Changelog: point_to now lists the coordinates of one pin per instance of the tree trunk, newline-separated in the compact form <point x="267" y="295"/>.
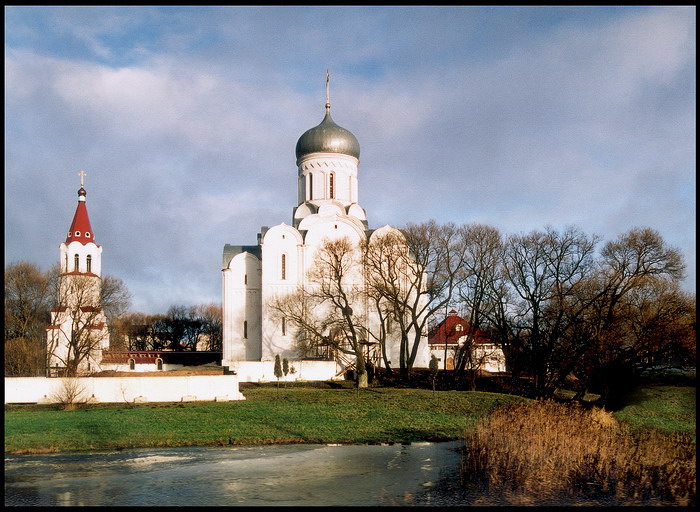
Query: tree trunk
<point x="362" y="381"/>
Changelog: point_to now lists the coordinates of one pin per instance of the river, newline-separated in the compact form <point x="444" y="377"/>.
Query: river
<point x="273" y="475"/>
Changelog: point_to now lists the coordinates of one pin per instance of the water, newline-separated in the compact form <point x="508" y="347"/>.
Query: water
<point x="275" y="475"/>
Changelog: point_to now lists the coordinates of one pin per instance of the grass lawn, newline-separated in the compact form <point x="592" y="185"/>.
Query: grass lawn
<point x="268" y="415"/>
<point x="665" y="408"/>
<point x="301" y="414"/>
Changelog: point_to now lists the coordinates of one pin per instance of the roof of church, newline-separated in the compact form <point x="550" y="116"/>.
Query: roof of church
<point x="232" y="250"/>
<point x="80" y="230"/>
<point x="327" y="137"/>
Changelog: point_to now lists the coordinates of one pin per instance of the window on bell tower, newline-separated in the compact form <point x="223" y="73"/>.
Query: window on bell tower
<point x="310" y="178"/>
<point x="89" y="263"/>
<point x="76" y="263"/>
<point x="331" y="186"/>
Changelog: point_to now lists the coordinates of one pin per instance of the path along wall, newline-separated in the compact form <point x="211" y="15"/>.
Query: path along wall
<point x="125" y="389"/>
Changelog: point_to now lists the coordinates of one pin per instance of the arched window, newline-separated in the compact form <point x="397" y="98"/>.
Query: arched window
<point x="283" y="267"/>
<point x="459" y="327"/>
<point x="132" y="363"/>
<point x="159" y="363"/>
<point x="245" y="279"/>
<point x="310" y="178"/>
<point x="76" y="263"/>
<point x="331" y="186"/>
<point x="65" y="269"/>
<point x="245" y="329"/>
<point x="89" y="263"/>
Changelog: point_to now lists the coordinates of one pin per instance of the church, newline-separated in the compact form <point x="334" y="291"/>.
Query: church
<point x="327" y="161"/>
<point x="253" y="278"/>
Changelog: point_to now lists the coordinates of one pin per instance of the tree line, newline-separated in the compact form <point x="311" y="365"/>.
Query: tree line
<point x="560" y="305"/>
<point x="188" y="328"/>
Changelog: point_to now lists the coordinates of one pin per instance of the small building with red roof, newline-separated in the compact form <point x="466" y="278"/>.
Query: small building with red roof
<point x="447" y="336"/>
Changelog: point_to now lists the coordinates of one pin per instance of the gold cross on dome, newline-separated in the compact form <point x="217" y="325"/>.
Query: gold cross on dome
<point x="82" y="175"/>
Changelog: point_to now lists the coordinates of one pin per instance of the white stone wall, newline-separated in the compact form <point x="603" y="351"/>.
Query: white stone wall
<point x="305" y="370"/>
<point x="126" y="389"/>
<point x="241" y="303"/>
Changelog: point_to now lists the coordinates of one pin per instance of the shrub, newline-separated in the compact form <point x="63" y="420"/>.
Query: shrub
<point x="69" y="394"/>
<point x="550" y="450"/>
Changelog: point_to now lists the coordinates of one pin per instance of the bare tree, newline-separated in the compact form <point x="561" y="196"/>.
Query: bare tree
<point x="481" y="291"/>
<point x="79" y="328"/>
<point x="70" y="393"/>
<point x="415" y="279"/>
<point x="210" y="315"/>
<point x="27" y="305"/>
<point x="385" y="257"/>
<point x="328" y="310"/>
<point x="544" y="270"/>
<point x="636" y="266"/>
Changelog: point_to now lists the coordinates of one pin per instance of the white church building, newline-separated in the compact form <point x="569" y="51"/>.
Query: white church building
<point x="327" y="160"/>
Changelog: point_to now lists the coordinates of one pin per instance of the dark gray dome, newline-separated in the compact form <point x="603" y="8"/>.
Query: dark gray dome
<point x="328" y="137"/>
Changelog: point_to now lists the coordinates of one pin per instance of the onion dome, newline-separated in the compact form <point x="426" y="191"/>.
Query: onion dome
<point x="80" y="230"/>
<point x="328" y="137"/>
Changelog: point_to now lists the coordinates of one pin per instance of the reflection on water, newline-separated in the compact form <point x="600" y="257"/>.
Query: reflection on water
<point x="253" y="475"/>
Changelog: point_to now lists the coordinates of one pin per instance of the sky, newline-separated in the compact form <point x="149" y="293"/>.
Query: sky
<point x="185" y="121"/>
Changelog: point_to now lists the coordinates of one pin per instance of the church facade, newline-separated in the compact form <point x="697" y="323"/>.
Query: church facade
<point x="327" y="161"/>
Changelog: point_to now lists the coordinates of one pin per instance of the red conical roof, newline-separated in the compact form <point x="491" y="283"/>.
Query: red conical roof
<point x="80" y="230"/>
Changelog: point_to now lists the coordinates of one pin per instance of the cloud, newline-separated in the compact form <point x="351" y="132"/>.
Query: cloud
<point x="186" y="122"/>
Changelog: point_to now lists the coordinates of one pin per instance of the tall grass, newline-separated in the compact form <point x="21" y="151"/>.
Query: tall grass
<point x="541" y="451"/>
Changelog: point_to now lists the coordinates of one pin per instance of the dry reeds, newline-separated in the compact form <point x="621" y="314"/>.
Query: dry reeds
<point x="542" y="450"/>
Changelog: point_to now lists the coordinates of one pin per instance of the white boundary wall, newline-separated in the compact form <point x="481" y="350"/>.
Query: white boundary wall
<point x="126" y="389"/>
<point x="264" y="371"/>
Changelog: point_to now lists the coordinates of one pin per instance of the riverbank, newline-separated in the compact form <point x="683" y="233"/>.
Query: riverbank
<point x="268" y="416"/>
<point x="298" y="414"/>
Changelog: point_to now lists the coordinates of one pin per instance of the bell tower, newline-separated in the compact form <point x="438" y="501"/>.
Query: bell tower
<point x="78" y="331"/>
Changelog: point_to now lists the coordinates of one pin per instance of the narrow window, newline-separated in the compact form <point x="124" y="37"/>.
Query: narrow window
<point x="283" y="268"/>
<point x="132" y="364"/>
<point x="76" y="263"/>
<point x="331" y="184"/>
<point x="311" y="186"/>
<point x="159" y="363"/>
<point x="245" y="279"/>
<point x="89" y="263"/>
<point x="284" y="326"/>
<point x="65" y="269"/>
<point x="245" y="329"/>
